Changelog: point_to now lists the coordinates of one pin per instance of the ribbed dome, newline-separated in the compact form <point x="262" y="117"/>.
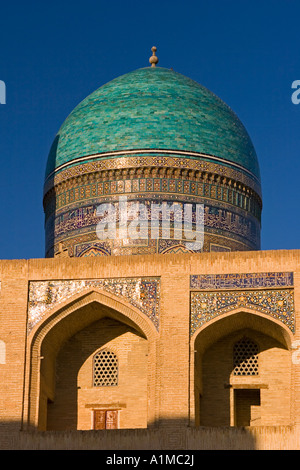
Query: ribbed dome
<point x="153" y="108"/>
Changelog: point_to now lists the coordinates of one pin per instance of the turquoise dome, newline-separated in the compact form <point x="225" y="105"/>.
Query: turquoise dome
<point x="153" y="108"/>
<point x="156" y="136"/>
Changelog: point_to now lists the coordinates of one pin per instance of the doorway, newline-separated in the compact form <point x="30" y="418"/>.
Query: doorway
<point x="246" y="407"/>
<point x="106" y="419"/>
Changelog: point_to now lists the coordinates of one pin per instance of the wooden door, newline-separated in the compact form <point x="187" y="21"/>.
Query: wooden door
<point x="112" y="419"/>
<point x="99" y="419"/>
<point x="105" y="419"/>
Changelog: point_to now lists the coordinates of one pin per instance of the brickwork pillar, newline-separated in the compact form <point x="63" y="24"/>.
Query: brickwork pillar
<point x="174" y="346"/>
<point x="13" y="308"/>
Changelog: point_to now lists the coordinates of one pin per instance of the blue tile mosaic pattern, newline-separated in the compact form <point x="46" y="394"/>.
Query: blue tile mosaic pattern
<point x="277" y="303"/>
<point x="241" y="280"/>
<point x="153" y="108"/>
<point x="143" y="293"/>
<point x="270" y="293"/>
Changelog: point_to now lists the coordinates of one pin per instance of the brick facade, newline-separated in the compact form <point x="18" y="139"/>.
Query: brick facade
<point x="170" y="376"/>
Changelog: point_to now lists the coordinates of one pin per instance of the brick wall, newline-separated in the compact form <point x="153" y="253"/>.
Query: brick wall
<point x="28" y="376"/>
<point x="273" y="381"/>
<point x="76" y="397"/>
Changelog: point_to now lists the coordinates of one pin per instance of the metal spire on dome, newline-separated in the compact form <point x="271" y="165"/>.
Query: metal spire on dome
<point x="153" y="59"/>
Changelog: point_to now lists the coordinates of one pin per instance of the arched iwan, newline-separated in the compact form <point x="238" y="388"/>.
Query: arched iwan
<point x="142" y="293"/>
<point x="242" y="318"/>
<point x="219" y="330"/>
<point x="59" y="324"/>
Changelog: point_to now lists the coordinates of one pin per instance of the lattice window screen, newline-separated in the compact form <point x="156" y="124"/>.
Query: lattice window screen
<point x="245" y="357"/>
<point x="105" y="369"/>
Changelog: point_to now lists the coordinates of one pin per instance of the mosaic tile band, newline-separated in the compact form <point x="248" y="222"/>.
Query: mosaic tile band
<point x="232" y="213"/>
<point x="241" y="281"/>
<point x="160" y="160"/>
<point x="68" y="196"/>
<point x="88" y="246"/>
<point x="143" y="293"/>
<point x="228" y="224"/>
<point x="278" y="304"/>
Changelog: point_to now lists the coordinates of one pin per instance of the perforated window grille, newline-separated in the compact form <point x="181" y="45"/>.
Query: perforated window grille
<point x="105" y="369"/>
<point x="245" y="357"/>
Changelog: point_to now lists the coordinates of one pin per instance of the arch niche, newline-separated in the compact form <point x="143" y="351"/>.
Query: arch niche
<point x="61" y="391"/>
<point x="225" y="395"/>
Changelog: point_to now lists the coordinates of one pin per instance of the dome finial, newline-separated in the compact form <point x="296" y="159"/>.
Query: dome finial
<point x="153" y="59"/>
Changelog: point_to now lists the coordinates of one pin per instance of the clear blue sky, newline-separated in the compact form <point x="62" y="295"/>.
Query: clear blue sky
<point x="53" y="54"/>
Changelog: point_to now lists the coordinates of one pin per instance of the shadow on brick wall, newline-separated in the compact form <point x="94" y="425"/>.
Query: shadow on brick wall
<point x="167" y="435"/>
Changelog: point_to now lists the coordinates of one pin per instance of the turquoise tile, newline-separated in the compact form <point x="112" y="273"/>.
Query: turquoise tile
<point x="153" y="108"/>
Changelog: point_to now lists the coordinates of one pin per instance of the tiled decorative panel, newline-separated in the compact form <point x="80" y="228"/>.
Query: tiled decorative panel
<point x="277" y="303"/>
<point x="241" y="280"/>
<point x="270" y="293"/>
<point x="223" y="224"/>
<point x="143" y="293"/>
<point x="158" y="160"/>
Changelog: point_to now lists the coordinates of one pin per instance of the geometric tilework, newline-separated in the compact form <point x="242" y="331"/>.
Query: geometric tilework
<point x="229" y="207"/>
<point x="220" y="219"/>
<point x="94" y="187"/>
<point x="224" y="220"/>
<point x="277" y="303"/>
<point x="158" y="161"/>
<point x="241" y="280"/>
<point x="143" y="293"/>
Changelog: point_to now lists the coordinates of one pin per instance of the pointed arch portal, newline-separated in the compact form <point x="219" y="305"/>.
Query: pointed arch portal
<point x="233" y="378"/>
<point x="61" y="394"/>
